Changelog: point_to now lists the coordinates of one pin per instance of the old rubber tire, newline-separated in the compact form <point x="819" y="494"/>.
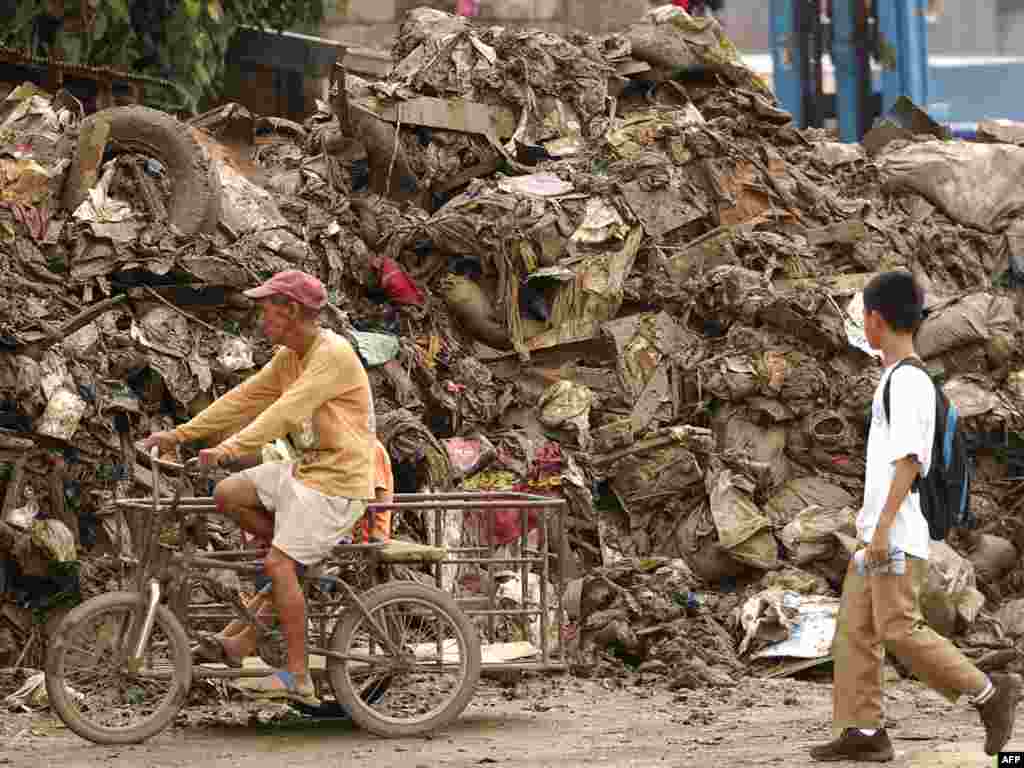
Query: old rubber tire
<point x="180" y="655"/>
<point x="352" y="699"/>
<point x="195" y="196"/>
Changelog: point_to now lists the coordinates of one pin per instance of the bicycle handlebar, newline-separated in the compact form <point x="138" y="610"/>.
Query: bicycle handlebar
<point x="191" y="467"/>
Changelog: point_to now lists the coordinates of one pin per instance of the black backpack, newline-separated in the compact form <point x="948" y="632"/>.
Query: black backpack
<point x="946" y="490"/>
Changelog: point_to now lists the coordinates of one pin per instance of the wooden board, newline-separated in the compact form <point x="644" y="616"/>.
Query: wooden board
<point x="453" y="115"/>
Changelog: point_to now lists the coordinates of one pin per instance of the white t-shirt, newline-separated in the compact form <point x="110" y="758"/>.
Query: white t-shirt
<point x="909" y="432"/>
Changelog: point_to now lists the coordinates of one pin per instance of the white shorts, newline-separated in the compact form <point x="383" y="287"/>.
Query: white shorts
<point x="307" y="524"/>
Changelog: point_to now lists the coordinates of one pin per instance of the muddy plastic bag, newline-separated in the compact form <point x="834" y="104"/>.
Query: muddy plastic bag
<point x="1011" y="615"/>
<point x="1001" y="131"/>
<point x="949" y="597"/>
<point x="975" y="184"/>
<point x="83" y="344"/>
<point x="643" y="343"/>
<point x="766" y="618"/>
<point x="536" y="185"/>
<point x="991" y="556"/>
<point x="236" y="355"/>
<point x="642" y="481"/>
<point x="601" y="222"/>
<point x="376" y="348"/>
<point x="742" y="529"/>
<point x="810" y="535"/>
<point x="22" y="517"/>
<point x="974" y="319"/>
<point x="54" y="538"/>
<point x="812" y="630"/>
<point x="176" y="374"/>
<point x="732" y="378"/>
<point x="63" y="415"/>
<point x="471" y="306"/>
<point x="669" y="37"/>
<point x="164" y="330"/>
<point x="250" y="209"/>
<point x="804" y="492"/>
<point x="565" y="405"/>
<point x="469" y="455"/>
<point x="23" y="182"/>
<point x="101" y="210"/>
<point x="971" y="398"/>
<point x="32" y="695"/>
<point x="762" y="444"/>
<point x="833" y="154"/>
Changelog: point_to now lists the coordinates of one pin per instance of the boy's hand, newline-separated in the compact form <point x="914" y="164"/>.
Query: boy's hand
<point x="877" y="553"/>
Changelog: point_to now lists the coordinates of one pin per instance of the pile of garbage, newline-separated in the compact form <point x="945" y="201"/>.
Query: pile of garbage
<point x="607" y="268"/>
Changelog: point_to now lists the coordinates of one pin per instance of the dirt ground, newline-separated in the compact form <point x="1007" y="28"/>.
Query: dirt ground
<point x="539" y="722"/>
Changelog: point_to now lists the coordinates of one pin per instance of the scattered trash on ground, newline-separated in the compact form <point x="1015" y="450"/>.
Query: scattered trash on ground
<point x="607" y="268"/>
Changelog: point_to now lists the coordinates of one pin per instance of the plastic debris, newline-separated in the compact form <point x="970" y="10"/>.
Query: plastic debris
<point x="618" y="275"/>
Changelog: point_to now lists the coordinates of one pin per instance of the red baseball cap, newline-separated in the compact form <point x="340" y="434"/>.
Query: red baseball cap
<point x="298" y="286"/>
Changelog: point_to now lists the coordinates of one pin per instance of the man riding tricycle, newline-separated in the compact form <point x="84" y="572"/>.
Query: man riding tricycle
<point x="402" y="658"/>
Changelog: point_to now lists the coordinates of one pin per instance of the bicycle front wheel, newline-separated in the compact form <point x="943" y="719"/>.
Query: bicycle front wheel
<point x="429" y="678"/>
<point x="89" y="680"/>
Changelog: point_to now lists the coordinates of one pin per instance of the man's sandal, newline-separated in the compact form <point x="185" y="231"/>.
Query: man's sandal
<point x="305" y="695"/>
<point x="209" y="650"/>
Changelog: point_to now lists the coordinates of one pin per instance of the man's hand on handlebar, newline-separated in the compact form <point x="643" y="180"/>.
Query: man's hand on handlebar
<point x="211" y="458"/>
<point x="165" y="441"/>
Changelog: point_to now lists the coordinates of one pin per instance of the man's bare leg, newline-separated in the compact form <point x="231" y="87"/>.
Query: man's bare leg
<point x="260" y="604"/>
<point x="236" y="497"/>
<point x="239" y="637"/>
<point x="291" y="609"/>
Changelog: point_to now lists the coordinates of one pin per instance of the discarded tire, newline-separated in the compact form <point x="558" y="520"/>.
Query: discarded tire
<point x="195" y="196"/>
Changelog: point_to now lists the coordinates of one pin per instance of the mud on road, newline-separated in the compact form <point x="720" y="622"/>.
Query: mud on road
<point x="539" y="723"/>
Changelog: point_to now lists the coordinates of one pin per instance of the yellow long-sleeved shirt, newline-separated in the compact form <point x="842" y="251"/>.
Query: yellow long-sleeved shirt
<point x="322" y="400"/>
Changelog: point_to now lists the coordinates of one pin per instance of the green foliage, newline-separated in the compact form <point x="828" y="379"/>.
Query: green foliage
<point x="182" y="40"/>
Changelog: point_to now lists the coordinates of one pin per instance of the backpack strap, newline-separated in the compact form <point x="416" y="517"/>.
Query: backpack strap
<point x="916" y="363"/>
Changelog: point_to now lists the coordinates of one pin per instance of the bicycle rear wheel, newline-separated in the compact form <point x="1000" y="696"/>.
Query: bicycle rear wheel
<point x="431" y="679"/>
<point x="88" y="680"/>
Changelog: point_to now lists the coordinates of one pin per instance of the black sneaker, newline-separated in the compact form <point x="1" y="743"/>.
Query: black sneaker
<point x="999" y="712"/>
<point x="854" y="745"/>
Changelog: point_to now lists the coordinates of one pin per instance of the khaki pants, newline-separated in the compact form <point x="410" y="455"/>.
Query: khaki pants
<point x="883" y="613"/>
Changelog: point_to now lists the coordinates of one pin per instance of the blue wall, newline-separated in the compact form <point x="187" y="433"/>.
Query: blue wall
<point x="976" y="92"/>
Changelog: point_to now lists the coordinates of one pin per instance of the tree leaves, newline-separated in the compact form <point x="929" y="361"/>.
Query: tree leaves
<point x="20" y="25"/>
<point x="183" y="40"/>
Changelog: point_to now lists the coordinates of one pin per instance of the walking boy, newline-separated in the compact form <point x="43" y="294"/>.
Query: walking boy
<point x="880" y="611"/>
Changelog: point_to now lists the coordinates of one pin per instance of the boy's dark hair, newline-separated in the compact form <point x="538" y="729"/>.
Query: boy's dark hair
<point x="898" y="298"/>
